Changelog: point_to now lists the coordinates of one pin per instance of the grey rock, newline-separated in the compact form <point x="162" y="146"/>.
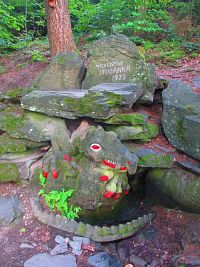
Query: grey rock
<point x="76" y="247"/>
<point x="10" y="210"/>
<point x="115" y="59"/>
<point x="137" y="261"/>
<point x="174" y="187"/>
<point x="130" y="92"/>
<point x="75" y="244"/>
<point x="77" y="252"/>
<point x="138" y="132"/>
<point x="59" y="239"/>
<point x="24" y="245"/>
<point x="83" y="240"/>
<point x="72" y="104"/>
<point x="59" y="249"/>
<point x="103" y="259"/>
<point x="181" y="117"/>
<point x="16" y="166"/>
<point x="45" y="260"/>
<point x="65" y="71"/>
<point x="150" y="158"/>
<point x="194" y="167"/>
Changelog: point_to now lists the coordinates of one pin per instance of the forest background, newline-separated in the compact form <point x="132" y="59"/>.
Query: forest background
<point x="167" y="29"/>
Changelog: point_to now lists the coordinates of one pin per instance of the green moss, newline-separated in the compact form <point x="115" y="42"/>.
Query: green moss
<point x="103" y="232"/>
<point x="81" y="229"/>
<point x="11" y="145"/>
<point x="11" y="119"/>
<point x="138" y="132"/>
<point x="15" y="93"/>
<point x="8" y="172"/>
<point x="124" y="230"/>
<point x="127" y="119"/>
<point x="153" y="130"/>
<point x="156" y="160"/>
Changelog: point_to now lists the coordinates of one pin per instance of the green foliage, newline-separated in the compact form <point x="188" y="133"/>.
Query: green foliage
<point x="9" y="24"/>
<point x="187" y="8"/>
<point x="58" y="200"/>
<point x="20" y="20"/>
<point x="38" y="56"/>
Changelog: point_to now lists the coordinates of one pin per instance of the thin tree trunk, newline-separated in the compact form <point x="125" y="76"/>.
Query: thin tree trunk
<point x="59" y="26"/>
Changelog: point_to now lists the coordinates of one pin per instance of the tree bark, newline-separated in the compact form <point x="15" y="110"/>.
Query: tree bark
<point x="59" y="26"/>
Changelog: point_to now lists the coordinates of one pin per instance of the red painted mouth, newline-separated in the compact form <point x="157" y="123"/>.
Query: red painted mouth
<point x="109" y="164"/>
<point x="113" y="165"/>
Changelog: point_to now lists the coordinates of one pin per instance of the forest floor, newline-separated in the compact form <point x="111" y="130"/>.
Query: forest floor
<point x="167" y="241"/>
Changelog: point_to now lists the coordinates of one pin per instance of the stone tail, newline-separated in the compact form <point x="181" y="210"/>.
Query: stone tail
<point x="96" y="233"/>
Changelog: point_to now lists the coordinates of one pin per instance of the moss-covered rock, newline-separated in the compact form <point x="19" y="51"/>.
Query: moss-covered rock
<point x="115" y="59"/>
<point x="19" y="166"/>
<point x="127" y="119"/>
<point x="150" y="158"/>
<point x="181" y="117"/>
<point x="175" y="187"/>
<point x="14" y="95"/>
<point x="138" y="132"/>
<point x="13" y="145"/>
<point x="65" y="71"/>
<point x="31" y="126"/>
<point x="8" y="172"/>
<point x="78" y="103"/>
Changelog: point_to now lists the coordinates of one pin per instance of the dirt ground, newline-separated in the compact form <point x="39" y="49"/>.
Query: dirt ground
<point x="163" y="241"/>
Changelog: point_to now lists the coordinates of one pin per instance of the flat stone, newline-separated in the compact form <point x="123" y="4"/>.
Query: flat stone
<point x="72" y="104"/>
<point x="138" y="132"/>
<point x="181" y="117"/>
<point x="10" y="210"/>
<point x="150" y="158"/>
<point x="59" y="249"/>
<point x="45" y="260"/>
<point x="115" y="59"/>
<point x="130" y="92"/>
<point x="127" y="119"/>
<point x="19" y="166"/>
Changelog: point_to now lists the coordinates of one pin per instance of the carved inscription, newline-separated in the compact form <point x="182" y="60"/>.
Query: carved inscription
<point x="116" y="69"/>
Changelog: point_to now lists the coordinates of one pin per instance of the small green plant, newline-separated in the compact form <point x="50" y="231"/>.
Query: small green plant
<point x="38" y="56"/>
<point x="58" y="200"/>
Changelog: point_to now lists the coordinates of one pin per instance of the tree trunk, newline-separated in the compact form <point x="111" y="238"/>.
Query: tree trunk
<point x="59" y="26"/>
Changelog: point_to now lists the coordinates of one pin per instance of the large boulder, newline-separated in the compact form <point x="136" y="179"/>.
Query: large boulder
<point x="115" y="59"/>
<point x="100" y="102"/>
<point x="175" y="187"/>
<point x="65" y="71"/>
<point x="181" y="117"/>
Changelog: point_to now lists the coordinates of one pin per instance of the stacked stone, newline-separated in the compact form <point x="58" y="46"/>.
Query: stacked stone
<point x="117" y="79"/>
